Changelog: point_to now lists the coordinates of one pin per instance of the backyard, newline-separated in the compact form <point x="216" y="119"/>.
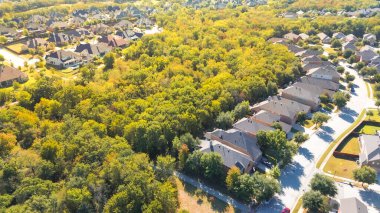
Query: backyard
<point x="194" y="200"/>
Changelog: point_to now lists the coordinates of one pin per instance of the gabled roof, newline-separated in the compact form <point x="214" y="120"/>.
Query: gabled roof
<point x="339" y="35"/>
<point x="268" y="118"/>
<point x="325" y="84"/>
<point x="314" y="89"/>
<point x="322" y="36"/>
<point x="369" y="36"/>
<point x="308" y="52"/>
<point x="59" y="38"/>
<point x="238" y="140"/>
<point x="304" y="36"/>
<point x="324" y="70"/>
<point x="124" y="24"/>
<point x="311" y="65"/>
<point x="63" y="55"/>
<point x="367" y="54"/>
<point x="291" y="36"/>
<point x="277" y="40"/>
<point x="231" y="157"/>
<point x="92" y="49"/>
<point x="36" y="42"/>
<point x="352" y="205"/>
<point x="350" y="37"/>
<point x="302" y="93"/>
<point x="251" y="127"/>
<point x="294" y="48"/>
<point x="293" y="105"/>
<point x="8" y="73"/>
<point x="349" y="45"/>
<point x="371" y="147"/>
<point x="312" y="58"/>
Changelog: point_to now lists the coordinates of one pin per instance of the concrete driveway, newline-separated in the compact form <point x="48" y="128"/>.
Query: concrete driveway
<point x="295" y="177"/>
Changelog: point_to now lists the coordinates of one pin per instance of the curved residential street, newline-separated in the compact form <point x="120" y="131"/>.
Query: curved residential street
<point x="295" y="177"/>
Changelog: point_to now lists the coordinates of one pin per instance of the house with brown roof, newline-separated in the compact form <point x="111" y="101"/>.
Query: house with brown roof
<point x="325" y="39"/>
<point x="317" y="89"/>
<point x="114" y="41"/>
<point x="292" y="37"/>
<point x="8" y="75"/>
<point x="60" y="39"/>
<point x="312" y="65"/>
<point x="325" y="84"/>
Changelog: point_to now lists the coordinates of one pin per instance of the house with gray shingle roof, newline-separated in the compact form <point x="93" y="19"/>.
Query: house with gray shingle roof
<point x="302" y="95"/>
<point x="325" y="39"/>
<point x="370" y="38"/>
<point x="312" y="65"/>
<point x="315" y="89"/>
<point x="351" y="37"/>
<point x="287" y="109"/>
<point x="350" y="45"/>
<point x="325" y="72"/>
<point x="325" y="84"/>
<point x="352" y="205"/>
<point x="339" y="35"/>
<point x="366" y="54"/>
<point x="312" y="58"/>
<point x="304" y="36"/>
<point x="251" y="127"/>
<point x="268" y="118"/>
<point x="308" y="52"/>
<point x="238" y="142"/>
<point x="370" y="150"/>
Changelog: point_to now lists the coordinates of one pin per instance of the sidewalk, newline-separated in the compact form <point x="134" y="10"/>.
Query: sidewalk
<point x="236" y="204"/>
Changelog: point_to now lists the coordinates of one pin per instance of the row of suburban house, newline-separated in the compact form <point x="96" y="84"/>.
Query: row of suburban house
<point x="126" y="19"/>
<point x="366" y="54"/>
<point x="238" y="146"/>
<point x="369" y="12"/>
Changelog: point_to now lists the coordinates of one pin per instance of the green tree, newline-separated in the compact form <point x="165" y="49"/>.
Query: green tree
<point x="225" y="120"/>
<point x="300" y="137"/>
<point x="78" y="199"/>
<point x="109" y="60"/>
<point x="7" y="143"/>
<point x="319" y="118"/>
<point x="340" y="69"/>
<point x="241" y="110"/>
<point x="323" y="184"/>
<point x="340" y="99"/>
<point x="313" y="201"/>
<point x="212" y="165"/>
<point x="365" y="174"/>
<point x="232" y="178"/>
<point x="164" y="167"/>
<point x="369" y="113"/>
<point x="301" y="117"/>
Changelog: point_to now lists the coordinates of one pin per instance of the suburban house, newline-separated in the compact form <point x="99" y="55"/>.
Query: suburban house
<point x="144" y="22"/>
<point x="325" y="39"/>
<point x="8" y="32"/>
<point x="314" y="88"/>
<point x="366" y="54"/>
<point x="114" y="41"/>
<point x="325" y="84"/>
<point x="304" y="96"/>
<point x="292" y="37"/>
<point x="89" y="51"/>
<point x="370" y="38"/>
<point x="268" y="119"/>
<point x="76" y="21"/>
<point x="349" y="45"/>
<point x="34" y="43"/>
<point x="304" y="36"/>
<point x="294" y="48"/>
<point x="290" y="15"/>
<point x="35" y="28"/>
<point x="123" y="24"/>
<point x="251" y="127"/>
<point x="237" y="148"/>
<point x="351" y="37"/>
<point x="352" y="205"/>
<point x="286" y="108"/>
<point x="100" y="29"/>
<point x="370" y="150"/>
<point x="60" y="39"/>
<point x="8" y="75"/>
<point x="63" y="59"/>
<point x="311" y="59"/>
<point x="278" y="40"/>
<point x="308" y="52"/>
<point x="129" y="35"/>
<point x="78" y="34"/>
<point x="325" y="72"/>
<point x="59" y="25"/>
<point x="339" y="35"/>
<point x="312" y="65"/>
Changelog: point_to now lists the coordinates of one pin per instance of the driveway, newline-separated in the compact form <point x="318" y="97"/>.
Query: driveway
<point x="295" y="177"/>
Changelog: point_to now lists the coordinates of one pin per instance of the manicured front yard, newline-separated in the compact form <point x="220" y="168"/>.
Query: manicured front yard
<point x="340" y="167"/>
<point x="369" y="129"/>
<point x="16" y="47"/>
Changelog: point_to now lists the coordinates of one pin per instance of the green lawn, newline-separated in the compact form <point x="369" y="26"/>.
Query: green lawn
<point x="375" y="117"/>
<point x="350" y="145"/>
<point x="328" y="107"/>
<point x="340" y="167"/>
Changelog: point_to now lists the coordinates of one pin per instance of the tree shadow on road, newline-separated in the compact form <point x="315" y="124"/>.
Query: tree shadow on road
<point x="349" y="111"/>
<point x="325" y="136"/>
<point x="292" y="178"/>
<point x="347" y="117"/>
<point x="370" y="197"/>
<point x="306" y="153"/>
<point x="328" y="129"/>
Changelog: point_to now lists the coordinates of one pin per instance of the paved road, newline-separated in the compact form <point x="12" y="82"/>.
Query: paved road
<point x="237" y="205"/>
<point x="295" y="177"/>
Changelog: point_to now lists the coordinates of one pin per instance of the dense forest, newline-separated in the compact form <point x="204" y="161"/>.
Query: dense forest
<point x="89" y="145"/>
